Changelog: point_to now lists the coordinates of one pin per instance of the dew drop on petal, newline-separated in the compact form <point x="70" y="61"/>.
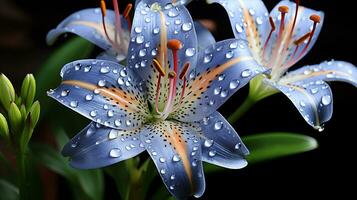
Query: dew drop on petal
<point x="190" y="52"/>
<point x="187" y="26"/>
<point x="212" y="153"/>
<point x="326" y="100"/>
<point x="73" y="104"/>
<point x="175" y="158"/>
<point x="89" y="97"/>
<point x="259" y="20"/>
<point x="104" y="70"/>
<point x="217" y="90"/>
<point x="238" y="146"/>
<point x="233" y="84"/>
<point x="138" y="29"/>
<point x="229" y="54"/>
<point x="139" y="39"/>
<point x="207" y="58"/>
<point x="162" y="159"/>
<point x="163" y="171"/>
<point x="101" y="83"/>
<point x="208" y="143"/>
<point x="110" y="113"/>
<point x="113" y="134"/>
<point x="115" y="153"/>
<point x="246" y="73"/>
<point x="218" y="125"/>
<point x="117" y="123"/>
<point x="93" y="113"/>
<point x="64" y="93"/>
<point x="239" y="28"/>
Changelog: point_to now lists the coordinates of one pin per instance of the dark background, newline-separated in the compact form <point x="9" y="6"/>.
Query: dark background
<point x="325" y="172"/>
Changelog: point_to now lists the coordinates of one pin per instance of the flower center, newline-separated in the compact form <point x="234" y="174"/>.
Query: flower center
<point x="281" y="57"/>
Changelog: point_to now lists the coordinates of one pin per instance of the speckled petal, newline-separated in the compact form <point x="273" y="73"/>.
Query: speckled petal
<point x="327" y="71"/>
<point x="221" y="144"/>
<point x="98" y="146"/>
<point x="87" y="23"/>
<point x="176" y="151"/>
<point x="250" y="21"/>
<point x="313" y="99"/>
<point x="104" y="92"/>
<point x="222" y="69"/>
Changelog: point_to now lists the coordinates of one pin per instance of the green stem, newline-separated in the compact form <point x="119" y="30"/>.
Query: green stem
<point x="22" y="173"/>
<point x="238" y="113"/>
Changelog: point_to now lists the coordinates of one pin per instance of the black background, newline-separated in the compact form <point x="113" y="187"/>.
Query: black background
<point x="325" y="172"/>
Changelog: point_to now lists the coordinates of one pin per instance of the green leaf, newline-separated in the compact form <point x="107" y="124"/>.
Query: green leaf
<point x="267" y="146"/>
<point x="8" y="191"/>
<point x="48" y="76"/>
<point x="85" y="184"/>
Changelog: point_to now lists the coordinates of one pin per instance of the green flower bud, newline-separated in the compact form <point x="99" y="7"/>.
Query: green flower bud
<point x="35" y="113"/>
<point x="7" y="91"/>
<point x="23" y="112"/>
<point x="28" y="90"/>
<point x="15" y="118"/>
<point x="4" y="128"/>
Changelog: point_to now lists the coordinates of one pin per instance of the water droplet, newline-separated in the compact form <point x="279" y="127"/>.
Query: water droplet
<point x="211" y="102"/>
<point x="74" y="145"/>
<point x="73" y="104"/>
<point x="89" y="97"/>
<point x="163" y="171"/>
<point x="224" y="93"/>
<point x="314" y="90"/>
<point x="326" y="100"/>
<point x="147" y="141"/>
<point x="162" y="159"/>
<point x="229" y="54"/>
<point x="175" y="158"/>
<point x="110" y="113"/>
<point x="113" y="134"/>
<point x="205" y="120"/>
<point x="187" y="26"/>
<point x="218" y="125"/>
<point x="90" y="132"/>
<point x="115" y="153"/>
<point x="101" y="83"/>
<point x="208" y="143"/>
<point x="156" y="30"/>
<point x="87" y="68"/>
<point x="239" y="28"/>
<point x="238" y="146"/>
<point x="178" y="21"/>
<point x="172" y="187"/>
<point x="194" y="163"/>
<point x="233" y="84"/>
<point x="190" y="52"/>
<point x="320" y="128"/>
<point x="195" y="148"/>
<point x="172" y="177"/>
<point x="128" y="122"/>
<point x="217" y="90"/>
<point x="233" y="45"/>
<point x="147" y="20"/>
<point x="221" y="77"/>
<point x="302" y="104"/>
<point x="172" y="13"/>
<point x="104" y="70"/>
<point x="154" y="52"/>
<point x="96" y="91"/>
<point x="251" y="11"/>
<point x="138" y="29"/>
<point x="330" y="75"/>
<point x="117" y="122"/>
<point x="142" y="52"/>
<point x="207" y="58"/>
<point x="212" y="153"/>
<point x="139" y="39"/>
<point x="123" y="72"/>
<point x="246" y="73"/>
<point x="121" y="81"/>
<point x="259" y="20"/>
<point x="93" y="113"/>
<point x="64" y="93"/>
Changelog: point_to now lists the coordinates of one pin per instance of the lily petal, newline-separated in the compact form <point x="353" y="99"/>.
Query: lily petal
<point x="204" y="36"/>
<point x="249" y="20"/>
<point x="283" y="52"/>
<point x="176" y="151"/>
<point x="222" y="69"/>
<point x="312" y="99"/>
<point x="87" y="23"/>
<point x="153" y="27"/>
<point x="327" y="71"/>
<point x="98" y="146"/>
<point x="221" y="144"/>
<point x="164" y="2"/>
<point x="104" y="92"/>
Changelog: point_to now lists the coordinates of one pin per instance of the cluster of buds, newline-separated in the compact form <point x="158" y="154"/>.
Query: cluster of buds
<point x="19" y="114"/>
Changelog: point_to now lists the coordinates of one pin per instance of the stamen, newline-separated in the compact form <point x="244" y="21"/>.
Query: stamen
<point x="297" y="2"/>
<point x="126" y="14"/>
<point x="172" y="74"/>
<point x="302" y="39"/>
<point x="272" y="25"/>
<point x="158" y="67"/>
<point x="117" y="20"/>
<point x="297" y="42"/>
<point x="316" y="19"/>
<point x="184" y="70"/>
<point x="157" y="95"/>
<point x="174" y="45"/>
<point x="283" y="10"/>
<point x="103" y="8"/>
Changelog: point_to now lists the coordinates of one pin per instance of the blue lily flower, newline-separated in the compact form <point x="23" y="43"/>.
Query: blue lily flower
<point x="278" y="41"/>
<point x="164" y="101"/>
<point x="107" y="29"/>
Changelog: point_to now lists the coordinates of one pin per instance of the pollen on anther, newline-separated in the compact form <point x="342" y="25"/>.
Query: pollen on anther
<point x="283" y="9"/>
<point x="172" y="74"/>
<point x="158" y="67"/>
<point x="315" y="18"/>
<point x="174" y="44"/>
<point x="103" y="7"/>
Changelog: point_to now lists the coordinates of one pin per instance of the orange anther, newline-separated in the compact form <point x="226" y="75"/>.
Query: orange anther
<point x="103" y="7"/>
<point x="283" y="9"/>
<point x="174" y="44"/>
<point x="184" y="70"/>
<point x="315" y="18"/>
